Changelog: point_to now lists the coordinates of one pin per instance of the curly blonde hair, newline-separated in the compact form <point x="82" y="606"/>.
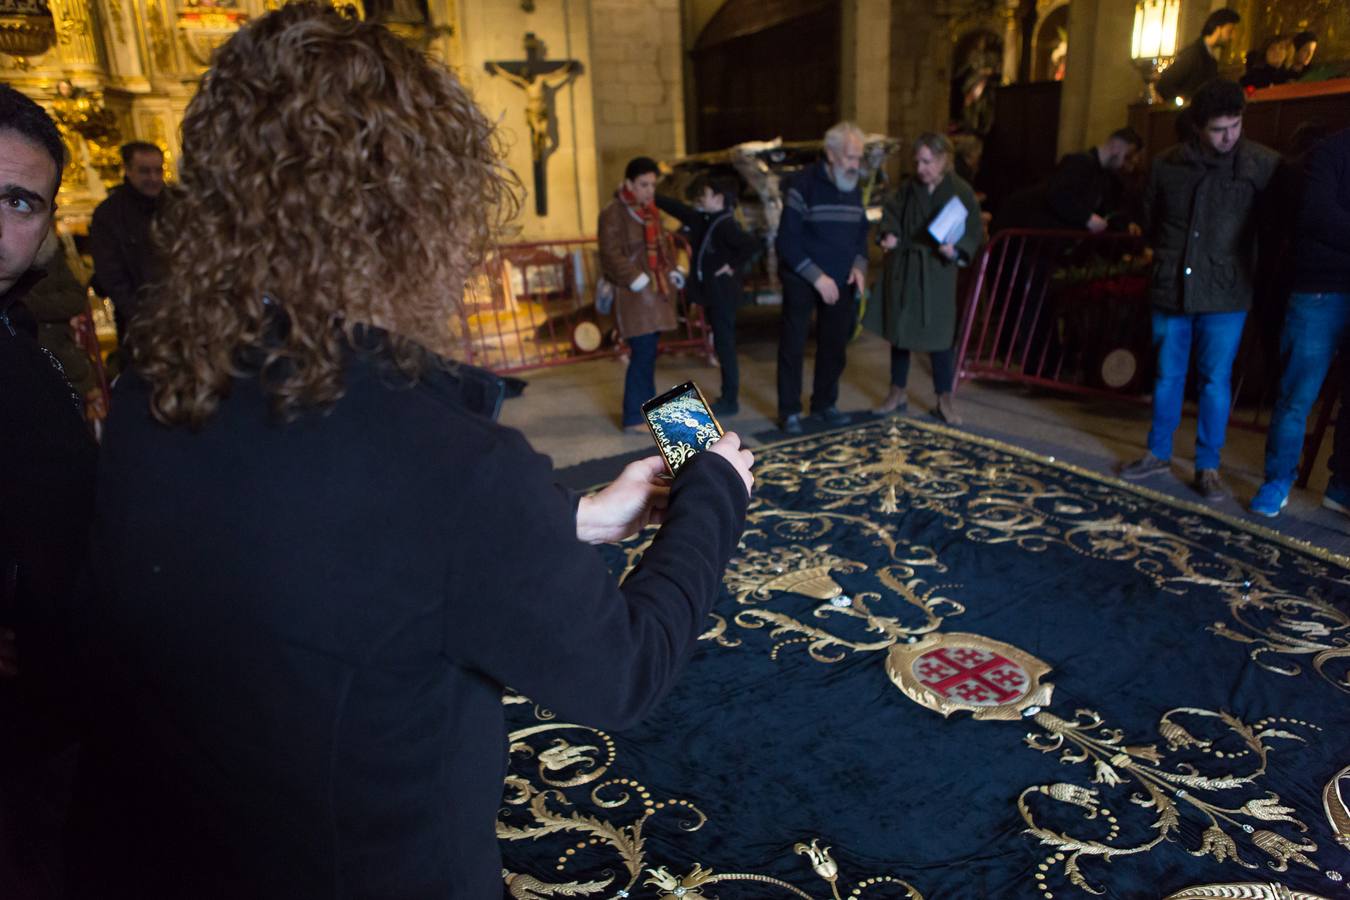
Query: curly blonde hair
<point x="331" y="178"/>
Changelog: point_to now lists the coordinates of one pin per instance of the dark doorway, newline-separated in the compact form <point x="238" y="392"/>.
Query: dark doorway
<point x="765" y="69"/>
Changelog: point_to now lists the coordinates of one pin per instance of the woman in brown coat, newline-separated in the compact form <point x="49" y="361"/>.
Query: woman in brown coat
<point x="637" y="257"/>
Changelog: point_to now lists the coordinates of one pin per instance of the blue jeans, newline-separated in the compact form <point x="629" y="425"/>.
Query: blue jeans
<point x="639" y="383"/>
<point x="1216" y="337"/>
<point x="1315" y="327"/>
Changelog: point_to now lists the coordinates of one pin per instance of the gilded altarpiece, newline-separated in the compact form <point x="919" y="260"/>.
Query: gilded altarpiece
<point x="112" y="71"/>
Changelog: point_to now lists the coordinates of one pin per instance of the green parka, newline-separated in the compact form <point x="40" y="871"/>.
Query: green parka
<point x="1203" y="213"/>
<point x="916" y="305"/>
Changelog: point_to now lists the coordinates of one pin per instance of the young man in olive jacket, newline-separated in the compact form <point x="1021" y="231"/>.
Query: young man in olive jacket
<point x="1201" y="208"/>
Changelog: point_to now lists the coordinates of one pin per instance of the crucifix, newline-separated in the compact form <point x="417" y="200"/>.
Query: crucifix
<point x="539" y="79"/>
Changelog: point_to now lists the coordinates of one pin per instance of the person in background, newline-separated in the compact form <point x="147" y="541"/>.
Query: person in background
<point x="1202" y="211"/>
<point x="721" y="252"/>
<point x="1305" y="48"/>
<point x="917" y="310"/>
<point x="318" y="562"/>
<point x="637" y="256"/>
<point x="1198" y="63"/>
<point x="119" y="233"/>
<point x="1316" y="328"/>
<point x="47" y="466"/>
<point x="54" y="302"/>
<point x="1270" y="65"/>
<point x="822" y="263"/>
<point x="1084" y="192"/>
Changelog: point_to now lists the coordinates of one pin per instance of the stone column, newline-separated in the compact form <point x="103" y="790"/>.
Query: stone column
<point x="866" y="60"/>
<point x="1100" y="80"/>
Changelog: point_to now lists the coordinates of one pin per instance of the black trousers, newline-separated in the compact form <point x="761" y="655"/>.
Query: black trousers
<point x="944" y="368"/>
<point x="722" y="320"/>
<point x="834" y="326"/>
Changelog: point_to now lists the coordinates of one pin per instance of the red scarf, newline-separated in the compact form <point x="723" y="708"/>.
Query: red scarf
<point x="657" y="260"/>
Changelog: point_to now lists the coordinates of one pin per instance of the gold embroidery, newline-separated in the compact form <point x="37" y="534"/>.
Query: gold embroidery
<point x="538" y="806"/>
<point x="1249" y="891"/>
<point x="1336" y="807"/>
<point x="1168" y="790"/>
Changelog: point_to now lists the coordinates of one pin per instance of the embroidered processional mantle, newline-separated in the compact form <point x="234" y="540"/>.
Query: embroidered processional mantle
<point x="1197" y="784"/>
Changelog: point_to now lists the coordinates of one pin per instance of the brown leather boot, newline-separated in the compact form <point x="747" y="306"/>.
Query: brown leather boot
<point x="946" y="410"/>
<point x="897" y="401"/>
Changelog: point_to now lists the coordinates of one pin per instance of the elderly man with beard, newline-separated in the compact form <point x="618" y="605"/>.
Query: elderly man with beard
<point x="822" y="262"/>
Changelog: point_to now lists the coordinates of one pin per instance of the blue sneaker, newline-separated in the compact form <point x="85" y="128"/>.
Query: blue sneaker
<point x="1337" y="498"/>
<point x="1273" y="497"/>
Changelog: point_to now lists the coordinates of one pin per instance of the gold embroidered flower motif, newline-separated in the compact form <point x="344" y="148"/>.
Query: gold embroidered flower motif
<point x="821" y="861"/>
<point x="679" y="888"/>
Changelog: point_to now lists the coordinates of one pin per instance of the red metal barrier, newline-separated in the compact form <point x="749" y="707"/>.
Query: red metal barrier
<point x="1050" y="308"/>
<point x="532" y="305"/>
<point x="1069" y="311"/>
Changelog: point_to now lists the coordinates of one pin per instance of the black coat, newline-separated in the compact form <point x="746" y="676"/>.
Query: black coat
<point x="1203" y="215"/>
<point x="47" y="466"/>
<point x="119" y="241"/>
<point x="1322" y="234"/>
<point x="1193" y="66"/>
<point x="312" y="625"/>
<point x="1079" y="188"/>
<point x="716" y="240"/>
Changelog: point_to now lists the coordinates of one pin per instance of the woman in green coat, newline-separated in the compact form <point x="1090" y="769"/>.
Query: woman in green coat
<point x="918" y="296"/>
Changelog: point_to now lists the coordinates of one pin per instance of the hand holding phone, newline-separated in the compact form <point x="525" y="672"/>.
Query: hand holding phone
<point x="681" y="423"/>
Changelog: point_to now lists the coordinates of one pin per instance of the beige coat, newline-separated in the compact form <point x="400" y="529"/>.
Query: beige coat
<point x="623" y="257"/>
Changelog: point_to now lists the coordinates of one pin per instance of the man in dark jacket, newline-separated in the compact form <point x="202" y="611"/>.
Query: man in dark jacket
<point x="1200" y="206"/>
<point x="119" y="233"/>
<point x="822" y="263"/>
<point x="46" y="495"/>
<point x="721" y="251"/>
<point x="1316" y="327"/>
<point x="1198" y="62"/>
<point x="1083" y="193"/>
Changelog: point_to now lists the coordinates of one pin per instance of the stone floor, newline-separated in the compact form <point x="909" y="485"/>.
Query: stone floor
<point x="571" y="413"/>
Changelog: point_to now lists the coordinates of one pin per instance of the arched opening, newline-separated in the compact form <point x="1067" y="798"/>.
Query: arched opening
<point x="767" y="69"/>
<point x="977" y="63"/>
<point x="1051" y="46"/>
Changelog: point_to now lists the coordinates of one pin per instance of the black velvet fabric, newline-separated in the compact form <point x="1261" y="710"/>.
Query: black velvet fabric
<point x="1198" y="706"/>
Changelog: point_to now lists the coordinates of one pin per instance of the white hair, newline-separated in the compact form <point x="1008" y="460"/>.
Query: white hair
<point x="836" y="137"/>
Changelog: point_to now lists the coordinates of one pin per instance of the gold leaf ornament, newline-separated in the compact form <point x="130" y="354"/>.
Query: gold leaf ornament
<point x="821" y="862"/>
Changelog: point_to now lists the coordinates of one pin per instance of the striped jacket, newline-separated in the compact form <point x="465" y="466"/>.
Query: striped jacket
<point x="824" y="229"/>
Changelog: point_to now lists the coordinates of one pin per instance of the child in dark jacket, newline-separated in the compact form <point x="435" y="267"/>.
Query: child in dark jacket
<point x="721" y="252"/>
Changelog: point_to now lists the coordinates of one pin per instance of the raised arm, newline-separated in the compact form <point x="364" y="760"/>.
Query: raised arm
<point x="533" y="608"/>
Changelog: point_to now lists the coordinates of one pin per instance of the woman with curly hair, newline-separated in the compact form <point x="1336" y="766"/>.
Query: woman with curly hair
<point x="318" y="561"/>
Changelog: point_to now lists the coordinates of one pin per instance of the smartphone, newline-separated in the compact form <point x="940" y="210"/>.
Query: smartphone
<point x="682" y="424"/>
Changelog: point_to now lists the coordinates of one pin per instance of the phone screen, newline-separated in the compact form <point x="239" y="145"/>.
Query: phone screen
<point x="681" y="423"/>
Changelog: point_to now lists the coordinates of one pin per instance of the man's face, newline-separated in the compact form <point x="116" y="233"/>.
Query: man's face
<point x="145" y="172"/>
<point x="1117" y="154"/>
<point x="27" y="202"/>
<point x="643" y="188"/>
<point x="1223" y="35"/>
<point x="1222" y="132"/>
<point x="846" y="162"/>
<point x="1304" y="55"/>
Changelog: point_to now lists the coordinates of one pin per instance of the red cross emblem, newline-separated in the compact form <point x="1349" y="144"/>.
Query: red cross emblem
<point x="971" y="676"/>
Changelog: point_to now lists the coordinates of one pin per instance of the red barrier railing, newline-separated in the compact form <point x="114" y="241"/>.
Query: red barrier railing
<point x="1069" y="311"/>
<point x="1066" y="310"/>
<point x="532" y="305"/>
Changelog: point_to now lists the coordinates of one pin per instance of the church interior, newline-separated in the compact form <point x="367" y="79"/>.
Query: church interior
<point x="948" y="660"/>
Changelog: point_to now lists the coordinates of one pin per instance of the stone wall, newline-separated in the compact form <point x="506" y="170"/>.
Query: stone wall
<point x="637" y="75"/>
<point x="495" y="30"/>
